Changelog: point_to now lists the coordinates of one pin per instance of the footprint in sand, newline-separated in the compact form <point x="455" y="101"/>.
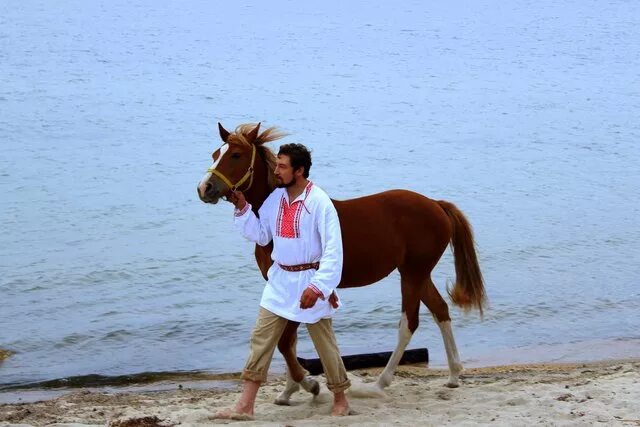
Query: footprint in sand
<point x="516" y="402"/>
<point x="443" y="395"/>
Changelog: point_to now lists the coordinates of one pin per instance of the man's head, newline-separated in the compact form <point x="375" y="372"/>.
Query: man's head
<point x="293" y="164"/>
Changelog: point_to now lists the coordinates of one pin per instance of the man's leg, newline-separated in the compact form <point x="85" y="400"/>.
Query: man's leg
<point x="324" y="341"/>
<point x="263" y="342"/>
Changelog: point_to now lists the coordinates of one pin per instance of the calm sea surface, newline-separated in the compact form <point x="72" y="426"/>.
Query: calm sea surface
<point x="525" y="114"/>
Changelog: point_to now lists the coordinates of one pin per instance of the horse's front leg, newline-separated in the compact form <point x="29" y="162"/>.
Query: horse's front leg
<point x="296" y="375"/>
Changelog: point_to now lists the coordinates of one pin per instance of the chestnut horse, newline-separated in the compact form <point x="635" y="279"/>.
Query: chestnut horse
<point x="396" y="229"/>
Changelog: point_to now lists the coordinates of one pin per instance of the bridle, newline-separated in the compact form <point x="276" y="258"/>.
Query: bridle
<point x="247" y="176"/>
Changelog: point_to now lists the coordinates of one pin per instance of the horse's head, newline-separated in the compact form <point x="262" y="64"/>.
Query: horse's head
<point x="238" y="163"/>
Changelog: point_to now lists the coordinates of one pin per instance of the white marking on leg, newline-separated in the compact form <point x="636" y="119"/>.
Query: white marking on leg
<point x="455" y="367"/>
<point x="310" y="385"/>
<point x="404" y="337"/>
<point x="307" y="383"/>
<point x="290" y="388"/>
<point x="203" y="182"/>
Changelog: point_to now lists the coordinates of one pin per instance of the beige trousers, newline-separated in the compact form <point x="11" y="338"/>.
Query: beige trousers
<point x="264" y="339"/>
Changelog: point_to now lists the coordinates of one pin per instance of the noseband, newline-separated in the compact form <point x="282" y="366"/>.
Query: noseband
<point x="247" y="176"/>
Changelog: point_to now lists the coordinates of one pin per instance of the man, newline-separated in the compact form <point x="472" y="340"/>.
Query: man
<point x="307" y="252"/>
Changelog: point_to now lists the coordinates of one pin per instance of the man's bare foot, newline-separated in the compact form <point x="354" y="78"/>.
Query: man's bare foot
<point x="340" y="405"/>
<point x="243" y="410"/>
<point x="232" y="414"/>
<point x="340" y="411"/>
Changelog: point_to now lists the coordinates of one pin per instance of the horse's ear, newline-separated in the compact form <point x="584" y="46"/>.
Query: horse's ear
<point x="253" y="135"/>
<point x="224" y="134"/>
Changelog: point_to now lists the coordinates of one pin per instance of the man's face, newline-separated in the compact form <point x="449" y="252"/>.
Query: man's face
<point x="285" y="175"/>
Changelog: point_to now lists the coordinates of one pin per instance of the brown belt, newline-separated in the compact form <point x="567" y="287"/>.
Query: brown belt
<point x="300" y="267"/>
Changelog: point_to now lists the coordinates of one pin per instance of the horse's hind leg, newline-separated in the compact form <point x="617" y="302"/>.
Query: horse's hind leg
<point x="408" y="325"/>
<point x="440" y="312"/>
<point x="295" y="372"/>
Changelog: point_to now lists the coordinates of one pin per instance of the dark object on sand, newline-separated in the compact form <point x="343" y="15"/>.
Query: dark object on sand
<point x="140" y="422"/>
<point x="368" y="360"/>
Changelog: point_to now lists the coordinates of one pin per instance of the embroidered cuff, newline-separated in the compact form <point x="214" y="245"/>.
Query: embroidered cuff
<point x="316" y="290"/>
<point x="240" y="212"/>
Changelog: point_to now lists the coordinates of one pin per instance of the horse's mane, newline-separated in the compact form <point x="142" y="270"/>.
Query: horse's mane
<point x="241" y="136"/>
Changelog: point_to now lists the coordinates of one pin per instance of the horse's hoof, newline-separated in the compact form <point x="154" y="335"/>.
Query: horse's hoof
<point x="311" y="386"/>
<point x="371" y="391"/>
<point x="282" y="402"/>
<point x="452" y="384"/>
<point x="378" y="391"/>
<point x="384" y="382"/>
<point x="360" y="389"/>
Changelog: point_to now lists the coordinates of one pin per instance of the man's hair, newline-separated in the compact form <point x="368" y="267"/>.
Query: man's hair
<point x="299" y="156"/>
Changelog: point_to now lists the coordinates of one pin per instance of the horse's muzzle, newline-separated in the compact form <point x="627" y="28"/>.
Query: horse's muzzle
<point x="210" y="193"/>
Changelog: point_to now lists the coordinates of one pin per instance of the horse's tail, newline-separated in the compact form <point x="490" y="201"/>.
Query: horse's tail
<point x="468" y="291"/>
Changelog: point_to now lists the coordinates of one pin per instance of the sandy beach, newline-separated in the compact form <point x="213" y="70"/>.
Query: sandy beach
<point x="546" y="394"/>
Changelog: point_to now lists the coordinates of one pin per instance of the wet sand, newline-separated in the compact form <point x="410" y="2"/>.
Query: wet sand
<point x="547" y="394"/>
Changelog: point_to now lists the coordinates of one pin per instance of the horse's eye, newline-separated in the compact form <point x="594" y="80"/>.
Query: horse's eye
<point x="235" y="156"/>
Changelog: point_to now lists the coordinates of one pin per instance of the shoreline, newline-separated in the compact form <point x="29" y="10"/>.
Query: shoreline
<point x="552" y="393"/>
<point x="589" y="351"/>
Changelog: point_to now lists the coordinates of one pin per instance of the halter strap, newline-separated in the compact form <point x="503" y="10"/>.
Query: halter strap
<point x="247" y="176"/>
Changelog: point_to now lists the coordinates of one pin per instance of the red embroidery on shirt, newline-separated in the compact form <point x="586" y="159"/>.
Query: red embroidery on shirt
<point x="238" y="212"/>
<point x="289" y="225"/>
<point x="288" y="220"/>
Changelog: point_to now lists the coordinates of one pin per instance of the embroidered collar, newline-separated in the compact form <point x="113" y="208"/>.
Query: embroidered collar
<point x="302" y="197"/>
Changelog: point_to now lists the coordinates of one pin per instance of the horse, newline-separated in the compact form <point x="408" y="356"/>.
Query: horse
<point x="396" y="229"/>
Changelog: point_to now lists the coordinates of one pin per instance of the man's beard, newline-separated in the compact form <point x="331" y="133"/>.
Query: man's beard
<point x="288" y="184"/>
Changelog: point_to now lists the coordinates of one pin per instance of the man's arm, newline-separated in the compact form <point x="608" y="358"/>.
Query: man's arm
<point x="252" y="228"/>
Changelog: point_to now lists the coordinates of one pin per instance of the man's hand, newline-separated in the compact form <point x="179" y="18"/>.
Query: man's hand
<point x="333" y="300"/>
<point x="238" y="200"/>
<point x="308" y="298"/>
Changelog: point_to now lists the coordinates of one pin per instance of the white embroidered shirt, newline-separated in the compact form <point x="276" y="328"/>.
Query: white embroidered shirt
<point x="304" y="231"/>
